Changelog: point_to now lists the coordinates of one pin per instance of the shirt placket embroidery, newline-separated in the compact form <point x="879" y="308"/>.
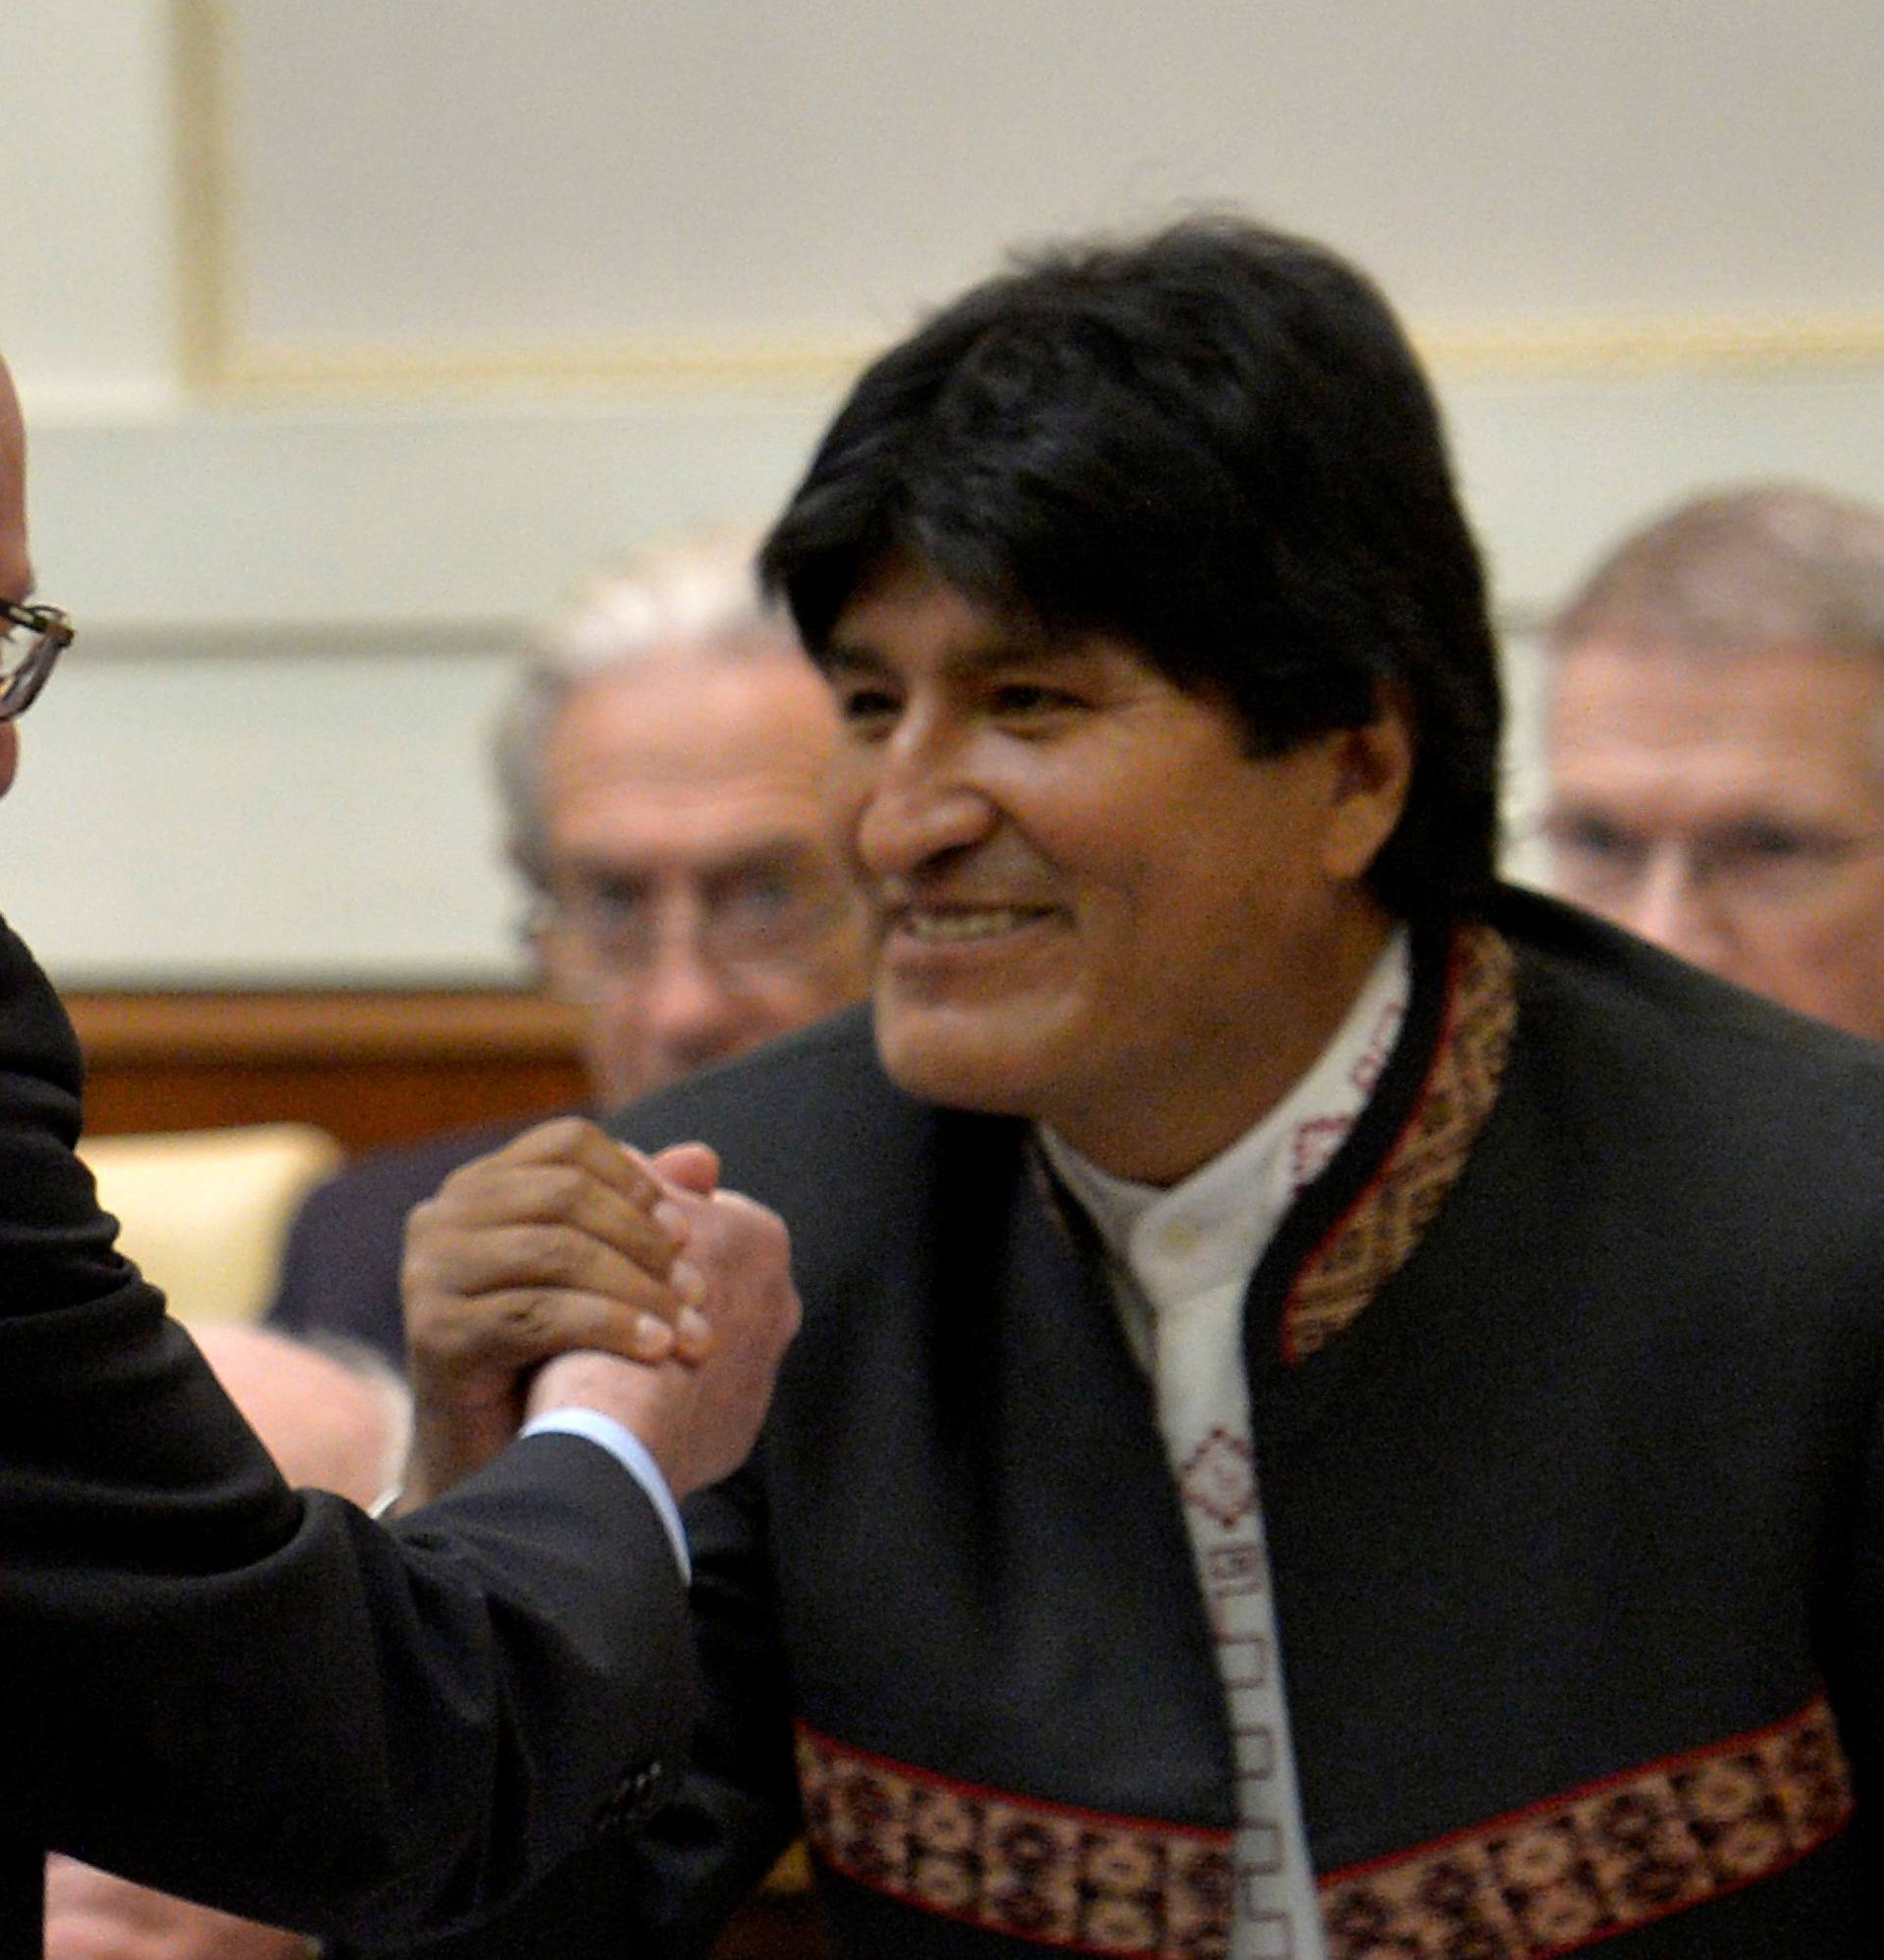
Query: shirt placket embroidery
<point x="1203" y="1411"/>
<point x="1183" y="1260"/>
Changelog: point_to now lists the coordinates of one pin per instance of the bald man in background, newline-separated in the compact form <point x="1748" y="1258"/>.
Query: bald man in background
<point x="1716" y="744"/>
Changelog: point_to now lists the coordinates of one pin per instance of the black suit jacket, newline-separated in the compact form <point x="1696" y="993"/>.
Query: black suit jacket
<point x="223" y="1687"/>
<point x="1575" y="1521"/>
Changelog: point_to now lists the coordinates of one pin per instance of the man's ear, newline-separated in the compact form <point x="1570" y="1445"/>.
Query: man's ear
<point x="1373" y="770"/>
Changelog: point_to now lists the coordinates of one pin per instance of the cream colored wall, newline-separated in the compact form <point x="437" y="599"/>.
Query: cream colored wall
<point x="471" y="294"/>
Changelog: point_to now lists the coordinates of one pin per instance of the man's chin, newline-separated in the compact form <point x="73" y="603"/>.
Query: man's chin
<point x="957" y="1060"/>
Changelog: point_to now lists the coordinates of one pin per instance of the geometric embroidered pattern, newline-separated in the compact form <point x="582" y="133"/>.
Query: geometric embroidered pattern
<point x="1371" y="1244"/>
<point x="1219" y="1478"/>
<point x="1072" y="1879"/>
<point x="1604" y="1860"/>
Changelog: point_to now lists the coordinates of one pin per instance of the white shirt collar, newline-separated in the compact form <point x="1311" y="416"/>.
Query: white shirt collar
<point x="1212" y="1228"/>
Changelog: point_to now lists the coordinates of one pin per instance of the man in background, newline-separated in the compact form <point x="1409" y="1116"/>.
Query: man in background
<point x="1716" y="744"/>
<point x="662" y="764"/>
<point x="334" y="1419"/>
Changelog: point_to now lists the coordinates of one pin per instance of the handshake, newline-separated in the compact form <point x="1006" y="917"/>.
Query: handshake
<point x="568" y="1271"/>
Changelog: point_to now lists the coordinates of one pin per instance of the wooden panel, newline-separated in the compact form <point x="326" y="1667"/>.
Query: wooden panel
<point x="368" y="1068"/>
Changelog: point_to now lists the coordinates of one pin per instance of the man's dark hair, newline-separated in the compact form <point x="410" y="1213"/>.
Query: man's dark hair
<point x="1216" y="443"/>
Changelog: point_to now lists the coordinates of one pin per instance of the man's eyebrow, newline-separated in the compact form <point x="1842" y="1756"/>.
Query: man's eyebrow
<point x="779" y="852"/>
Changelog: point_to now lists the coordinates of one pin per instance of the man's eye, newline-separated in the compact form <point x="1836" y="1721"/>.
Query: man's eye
<point x="1023" y="698"/>
<point x="863" y="707"/>
<point x="1589" y="837"/>
<point x="1771" y="844"/>
<point x="762" y="895"/>
<point x="613" y="908"/>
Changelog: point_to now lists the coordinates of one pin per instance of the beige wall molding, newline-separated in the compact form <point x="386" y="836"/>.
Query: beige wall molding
<point x="205" y="214"/>
<point x="268" y="317"/>
<point x="1591" y="349"/>
<point x="1541" y="349"/>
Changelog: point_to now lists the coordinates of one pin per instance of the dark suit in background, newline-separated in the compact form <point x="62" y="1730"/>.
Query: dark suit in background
<point x="220" y="1687"/>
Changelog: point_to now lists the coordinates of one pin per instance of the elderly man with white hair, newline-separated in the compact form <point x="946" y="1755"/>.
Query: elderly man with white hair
<point x="663" y="764"/>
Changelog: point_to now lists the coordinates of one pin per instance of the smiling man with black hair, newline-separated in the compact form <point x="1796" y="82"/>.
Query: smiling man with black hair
<point x="1339" y="1406"/>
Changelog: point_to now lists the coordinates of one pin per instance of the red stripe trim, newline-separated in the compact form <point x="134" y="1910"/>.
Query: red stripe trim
<point x="1549" y="1879"/>
<point x="1390" y="1163"/>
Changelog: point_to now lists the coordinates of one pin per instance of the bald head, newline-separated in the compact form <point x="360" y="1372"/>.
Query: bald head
<point x="328" y="1424"/>
<point x="13" y="464"/>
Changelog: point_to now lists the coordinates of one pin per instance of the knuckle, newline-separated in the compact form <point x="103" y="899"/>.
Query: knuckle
<point x="461" y="1188"/>
<point x="552" y="1254"/>
<point x="557" y="1135"/>
<point x="562" y="1189"/>
<point x="425" y="1275"/>
<point x="522" y="1318"/>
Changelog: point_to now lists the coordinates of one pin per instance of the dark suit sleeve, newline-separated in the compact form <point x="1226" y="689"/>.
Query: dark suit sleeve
<point x="665" y="1892"/>
<point x="231" y="1691"/>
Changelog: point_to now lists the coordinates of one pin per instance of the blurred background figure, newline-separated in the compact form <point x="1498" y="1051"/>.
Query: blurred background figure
<point x="1715" y="743"/>
<point x="662" y="764"/>
<point x="333" y="1419"/>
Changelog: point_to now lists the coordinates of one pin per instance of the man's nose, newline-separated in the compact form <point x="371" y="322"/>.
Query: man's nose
<point x="683" y="1000"/>
<point x="1675" y="907"/>
<point x="922" y="804"/>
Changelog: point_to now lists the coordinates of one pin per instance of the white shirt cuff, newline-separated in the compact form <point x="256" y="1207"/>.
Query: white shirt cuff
<point x="633" y="1457"/>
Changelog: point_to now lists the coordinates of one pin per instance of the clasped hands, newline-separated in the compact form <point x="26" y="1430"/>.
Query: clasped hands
<point x="566" y="1270"/>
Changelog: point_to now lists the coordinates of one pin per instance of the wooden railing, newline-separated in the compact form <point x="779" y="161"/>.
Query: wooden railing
<point x="367" y="1067"/>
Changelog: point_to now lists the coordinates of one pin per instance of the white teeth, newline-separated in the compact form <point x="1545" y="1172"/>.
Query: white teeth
<point x="943" y="926"/>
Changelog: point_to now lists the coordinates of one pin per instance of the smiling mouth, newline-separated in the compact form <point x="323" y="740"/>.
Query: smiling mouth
<point x="957" y="923"/>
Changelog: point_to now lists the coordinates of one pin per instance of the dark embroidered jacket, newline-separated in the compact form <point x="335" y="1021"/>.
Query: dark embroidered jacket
<point x="1565" y="1389"/>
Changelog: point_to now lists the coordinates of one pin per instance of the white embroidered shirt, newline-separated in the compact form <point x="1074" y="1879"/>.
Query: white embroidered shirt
<point x="1181" y="1261"/>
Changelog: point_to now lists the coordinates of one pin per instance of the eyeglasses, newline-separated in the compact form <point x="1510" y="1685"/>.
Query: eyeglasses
<point x="752" y="926"/>
<point x="1769" y="864"/>
<point x="31" y="639"/>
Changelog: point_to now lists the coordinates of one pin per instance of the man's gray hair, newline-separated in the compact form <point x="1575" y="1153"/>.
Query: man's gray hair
<point x="687" y="599"/>
<point x="1768" y="564"/>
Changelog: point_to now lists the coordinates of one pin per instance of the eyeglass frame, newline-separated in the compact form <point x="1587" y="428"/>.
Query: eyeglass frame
<point x="53" y="631"/>
<point x="597" y="971"/>
<point x="1722" y="862"/>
